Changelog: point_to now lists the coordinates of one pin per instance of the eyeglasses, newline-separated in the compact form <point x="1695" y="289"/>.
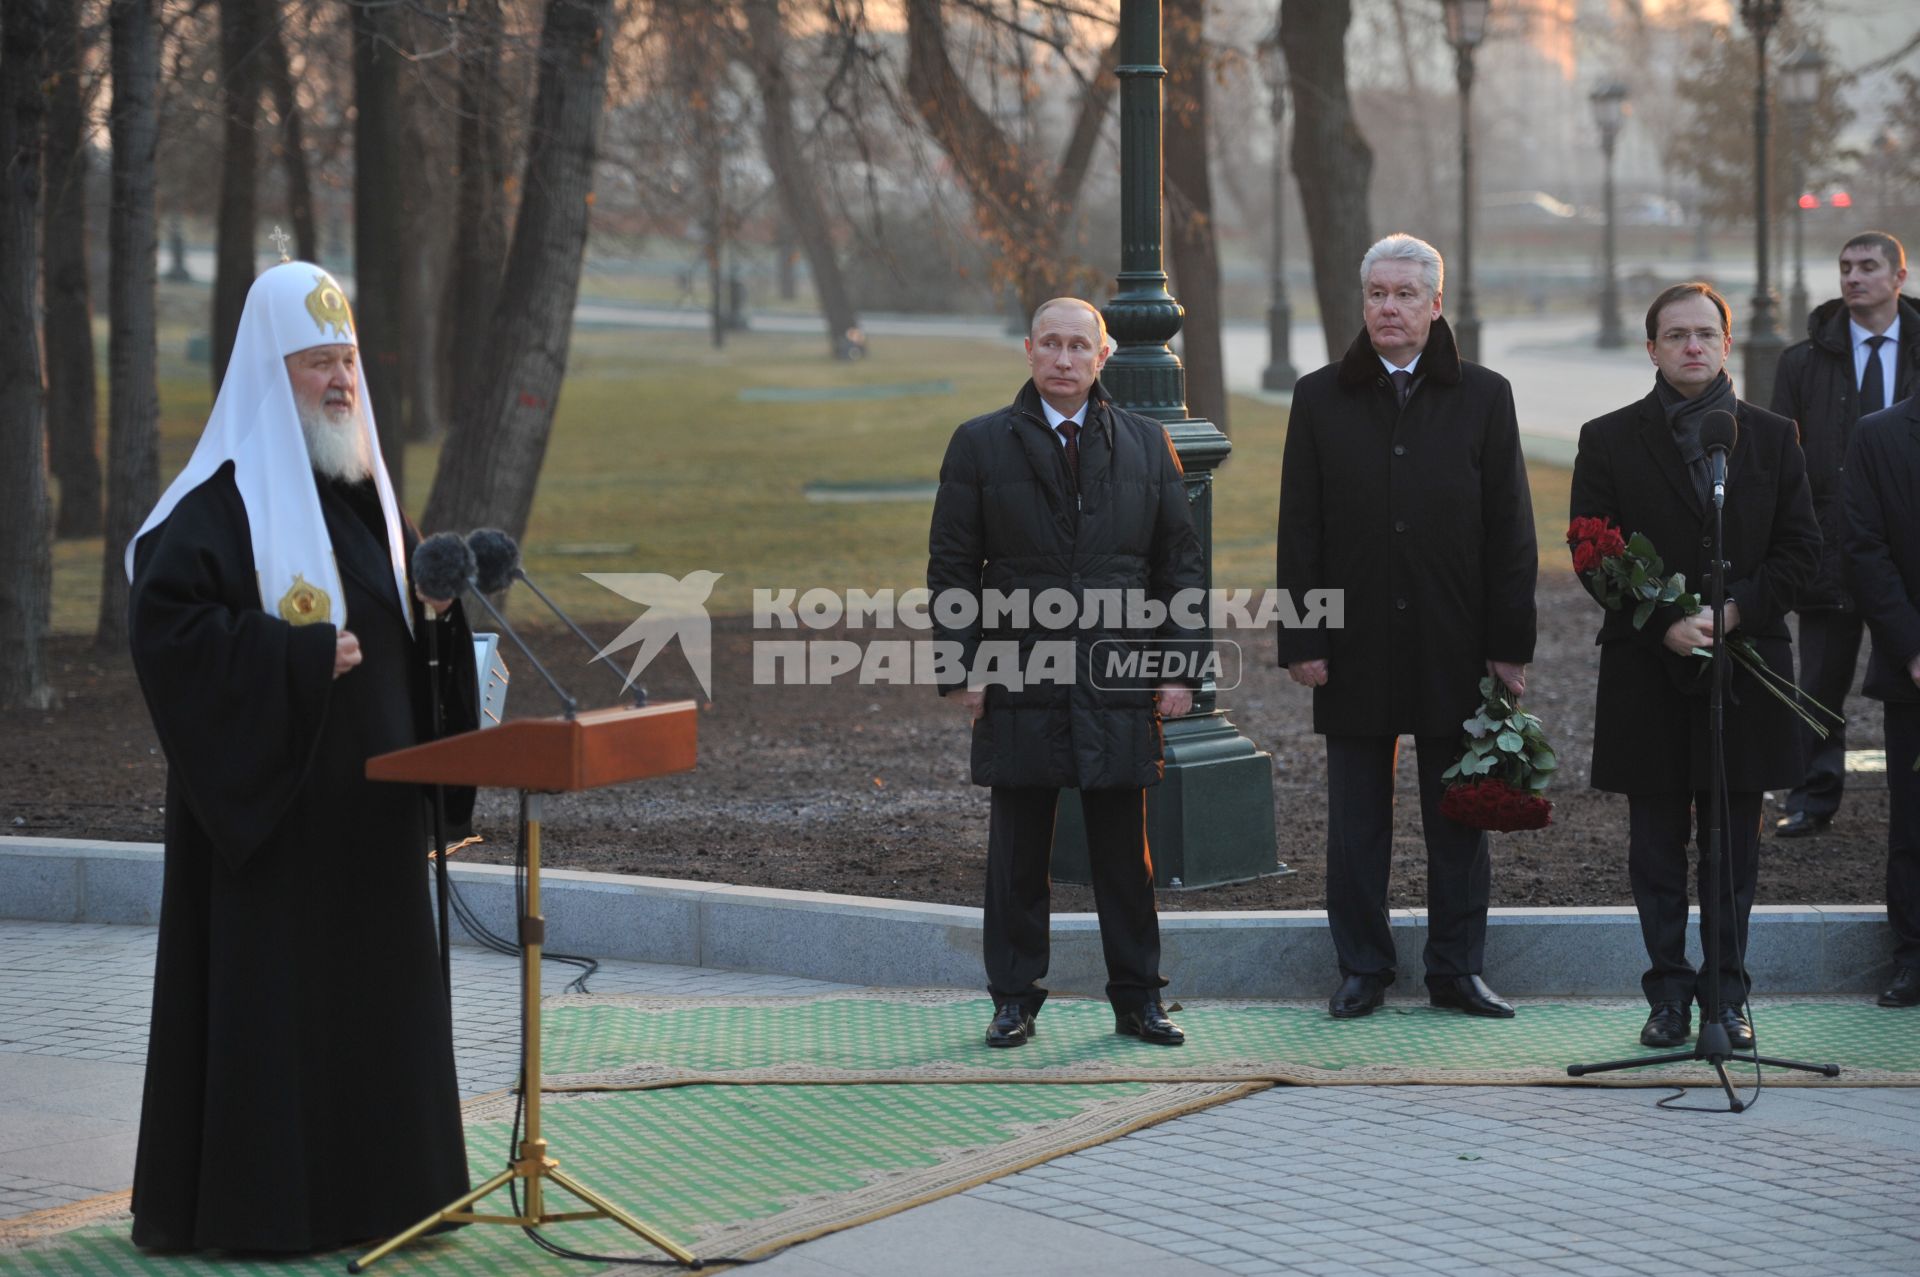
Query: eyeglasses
<point x="1678" y="337"/>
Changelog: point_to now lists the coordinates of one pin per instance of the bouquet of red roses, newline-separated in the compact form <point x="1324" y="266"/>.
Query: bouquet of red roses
<point x="1621" y="572"/>
<point x="1497" y="782"/>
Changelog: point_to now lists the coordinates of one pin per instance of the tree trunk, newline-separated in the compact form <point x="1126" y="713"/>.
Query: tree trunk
<point x="26" y="529"/>
<point x="422" y="267"/>
<point x="492" y="477"/>
<point x="480" y="204"/>
<point x="379" y="317"/>
<point x="72" y="422"/>
<point x="1332" y="163"/>
<point x="1023" y="217"/>
<point x="1190" y="221"/>
<point x="292" y="147"/>
<point x="133" y="393"/>
<point x="794" y="181"/>
<point x="234" y="253"/>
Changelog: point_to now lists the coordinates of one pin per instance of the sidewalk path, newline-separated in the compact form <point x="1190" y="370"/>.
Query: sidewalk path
<point x="1330" y="1180"/>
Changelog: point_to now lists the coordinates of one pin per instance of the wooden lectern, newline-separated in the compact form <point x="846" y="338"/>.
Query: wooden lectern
<point x="538" y="757"/>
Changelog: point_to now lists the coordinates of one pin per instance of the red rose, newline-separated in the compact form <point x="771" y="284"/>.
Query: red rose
<point x="1611" y="544"/>
<point x="1585" y="557"/>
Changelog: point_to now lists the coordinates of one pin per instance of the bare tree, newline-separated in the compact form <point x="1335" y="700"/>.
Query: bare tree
<point x="71" y="408"/>
<point x="1022" y="202"/>
<point x="379" y="319"/>
<point x="1332" y="163"/>
<point x="491" y="466"/>
<point x="794" y="181"/>
<point x="292" y="145"/>
<point x="26" y="529"/>
<point x="1190" y="222"/>
<point x="240" y="40"/>
<point x="133" y="394"/>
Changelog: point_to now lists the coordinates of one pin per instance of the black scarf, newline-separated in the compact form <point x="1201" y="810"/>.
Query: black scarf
<point x="1685" y="417"/>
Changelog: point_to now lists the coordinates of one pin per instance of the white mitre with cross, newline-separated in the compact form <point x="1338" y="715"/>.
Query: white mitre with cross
<point x="255" y="424"/>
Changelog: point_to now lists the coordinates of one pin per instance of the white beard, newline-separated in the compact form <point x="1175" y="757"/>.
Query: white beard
<point x="337" y="449"/>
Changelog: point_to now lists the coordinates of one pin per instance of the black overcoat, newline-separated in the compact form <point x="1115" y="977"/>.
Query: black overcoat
<point x="1422" y="516"/>
<point x="1814" y="384"/>
<point x="1008" y="517"/>
<point x="300" y="1090"/>
<point x="1883" y="543"/>
<point x="1650" y="718"/>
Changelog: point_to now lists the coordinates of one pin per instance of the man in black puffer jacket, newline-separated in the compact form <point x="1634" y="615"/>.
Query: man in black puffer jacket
<point x="1066" y="495"/>
<point x="1862" y="353"/>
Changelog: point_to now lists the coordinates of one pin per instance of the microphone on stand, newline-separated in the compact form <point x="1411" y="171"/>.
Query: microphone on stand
<point x="496" y="556"/>
<point x="1718" y="434"/>
<point x="441" y="566"/>
<point x="451" y="567"/>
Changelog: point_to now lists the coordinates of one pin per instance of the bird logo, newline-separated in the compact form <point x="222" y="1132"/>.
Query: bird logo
<point x="673" y="608"/>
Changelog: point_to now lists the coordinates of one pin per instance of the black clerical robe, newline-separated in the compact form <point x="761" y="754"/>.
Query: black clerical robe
<point x="300" y="1090"/>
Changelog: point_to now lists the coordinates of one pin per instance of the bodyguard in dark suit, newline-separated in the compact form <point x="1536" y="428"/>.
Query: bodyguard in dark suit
<point x="1883" y="572"/>
<point x="1404" y="488"/>
<point x="1065" y="491"/>
<point x="1862" y="353"/>
<point x="1642" y="468"/>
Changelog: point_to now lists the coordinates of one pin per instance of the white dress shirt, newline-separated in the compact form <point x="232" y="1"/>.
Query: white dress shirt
<point x="1888" y="354"/>
<point x="1054" y="418"/>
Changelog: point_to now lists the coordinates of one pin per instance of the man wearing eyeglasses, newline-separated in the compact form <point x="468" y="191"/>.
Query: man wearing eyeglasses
<point x="1644" y="469"/>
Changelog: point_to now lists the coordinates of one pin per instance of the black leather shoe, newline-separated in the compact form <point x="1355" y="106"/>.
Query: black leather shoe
<point x="1467" y="993"/>
<point x="1905" y="989"/>
<point x="1798" y="824"/>
<point x="1012" y="1026"/>
<point x="1149" y="1023"/>
<point x="1668" y="1026"/>
<point x="1739" y="1032"/>
<point x="1357" y="995"/>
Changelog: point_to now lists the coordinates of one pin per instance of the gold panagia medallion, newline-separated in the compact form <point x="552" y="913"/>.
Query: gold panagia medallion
<point x="304" y="603"/>
<point x="328" y="306"/>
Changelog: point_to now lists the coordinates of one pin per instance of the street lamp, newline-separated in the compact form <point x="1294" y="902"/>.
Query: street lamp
<point x="1280" y="373"/>
<point x="1466" y="28"/>
<point x="1800" y="86"/>
<point x="1610" y="112"/>
<point x="1763" y="339"/>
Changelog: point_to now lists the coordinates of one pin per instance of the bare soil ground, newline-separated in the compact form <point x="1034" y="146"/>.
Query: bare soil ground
<point x="864" y="790"/>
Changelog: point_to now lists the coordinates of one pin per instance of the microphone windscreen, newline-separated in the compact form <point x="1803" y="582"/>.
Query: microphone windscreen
<point x="442" y="565"/>
<point x="1719" y="431"/>
<point x="496" y="558"/>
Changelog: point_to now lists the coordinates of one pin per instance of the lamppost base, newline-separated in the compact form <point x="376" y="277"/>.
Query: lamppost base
<point x="1209" y="820"/>
<point x="1761" y="356"/>
<point x="1279" y="377"/>
<point x="1466" y="337"/>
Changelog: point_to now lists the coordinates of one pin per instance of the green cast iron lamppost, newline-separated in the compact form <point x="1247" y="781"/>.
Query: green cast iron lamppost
<point x="1279" y="373"/>
<point x="1210" y="820"/>
<point x="1610" y="112"/>
<point x="1466" y="28"/>
<point x="1800" y="84"/>
<point x="1763" y="329"/>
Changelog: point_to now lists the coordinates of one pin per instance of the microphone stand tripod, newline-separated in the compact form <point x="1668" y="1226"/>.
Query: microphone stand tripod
<point x="1712" y="1047"/>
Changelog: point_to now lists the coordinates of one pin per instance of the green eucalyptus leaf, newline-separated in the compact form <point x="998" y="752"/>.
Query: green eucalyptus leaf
<point x="1641" y="613"/>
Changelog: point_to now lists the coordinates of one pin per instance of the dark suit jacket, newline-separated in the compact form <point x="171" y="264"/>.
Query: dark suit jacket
<point x="1883" y="543"/>
<point x="1650" y="724"/>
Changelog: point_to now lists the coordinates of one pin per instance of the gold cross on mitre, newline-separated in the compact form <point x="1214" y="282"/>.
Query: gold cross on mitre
<point x="280" y="241"/>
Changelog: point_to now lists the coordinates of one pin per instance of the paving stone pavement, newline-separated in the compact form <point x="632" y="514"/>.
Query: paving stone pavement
<point x="1313" y="1181"/>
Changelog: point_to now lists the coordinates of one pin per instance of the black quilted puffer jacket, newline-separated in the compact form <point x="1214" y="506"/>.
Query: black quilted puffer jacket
<point x="1009" y="517"/>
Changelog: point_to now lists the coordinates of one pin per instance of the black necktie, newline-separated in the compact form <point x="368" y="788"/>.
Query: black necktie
<point x="1873" y="382"/>
<point x="1402" y="383"/>
<point x="1070" y="431"/>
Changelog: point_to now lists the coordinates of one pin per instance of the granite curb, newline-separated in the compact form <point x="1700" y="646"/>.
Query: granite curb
<point x="1584" y="952"/>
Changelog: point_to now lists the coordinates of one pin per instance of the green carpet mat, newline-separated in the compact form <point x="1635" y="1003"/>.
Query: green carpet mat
<point x="905" y="1035"/>
<point x="723" y="1170"/>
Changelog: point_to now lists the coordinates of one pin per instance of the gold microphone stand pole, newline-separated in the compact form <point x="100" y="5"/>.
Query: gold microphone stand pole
<point x="532" y="1164"/>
